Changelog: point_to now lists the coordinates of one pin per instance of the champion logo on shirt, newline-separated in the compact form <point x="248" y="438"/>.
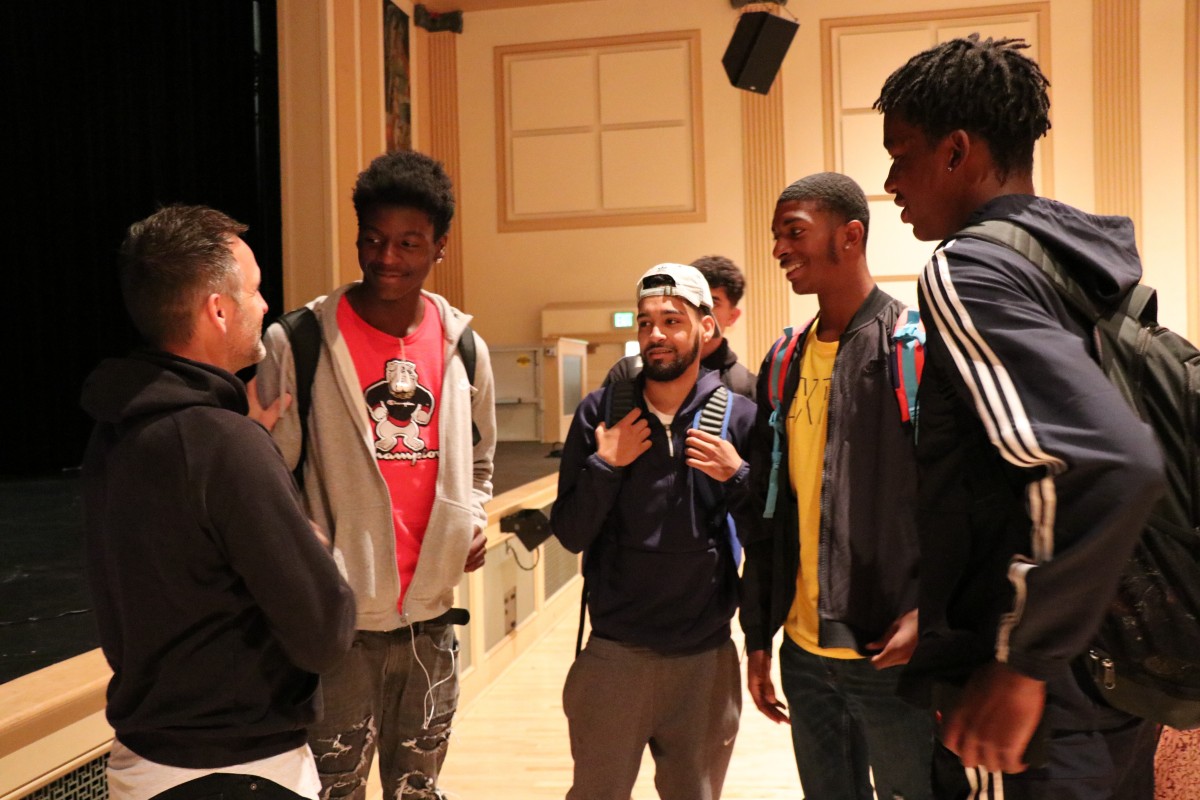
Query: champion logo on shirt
<point x="400" y="407"/>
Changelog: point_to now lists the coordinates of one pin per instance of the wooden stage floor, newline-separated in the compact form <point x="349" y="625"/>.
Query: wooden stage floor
<point x="511" y="743"/>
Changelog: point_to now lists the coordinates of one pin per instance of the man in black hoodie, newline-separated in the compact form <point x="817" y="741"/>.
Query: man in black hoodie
<point x="217" y="601"/>
<point x="1035" y="477"/>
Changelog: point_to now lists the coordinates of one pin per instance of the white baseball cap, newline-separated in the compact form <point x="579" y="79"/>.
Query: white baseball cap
<point x="678" y="280"/>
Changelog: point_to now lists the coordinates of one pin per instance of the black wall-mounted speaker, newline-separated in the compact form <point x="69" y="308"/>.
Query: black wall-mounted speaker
<point x="756" y="50"/>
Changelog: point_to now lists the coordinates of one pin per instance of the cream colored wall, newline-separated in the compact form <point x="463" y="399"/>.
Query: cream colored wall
<point x="1163" y="237"/>
<point x="511" y="276"/>
<point x="1070" y="68"/>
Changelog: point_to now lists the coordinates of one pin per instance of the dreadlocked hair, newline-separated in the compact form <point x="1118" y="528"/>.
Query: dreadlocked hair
<point x="987" y="88"/>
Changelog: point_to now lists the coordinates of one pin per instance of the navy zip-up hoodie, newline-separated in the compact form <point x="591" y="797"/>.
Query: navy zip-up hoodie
<point x="1035" y="477"/>
<point x="659" y="573"/>
<point x="216" y="604"/>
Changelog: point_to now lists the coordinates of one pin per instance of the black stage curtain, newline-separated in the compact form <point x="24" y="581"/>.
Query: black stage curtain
<point x="111" y="110"/>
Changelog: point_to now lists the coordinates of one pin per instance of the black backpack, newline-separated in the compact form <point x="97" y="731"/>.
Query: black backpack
<point x="304" y="332"/>
<point x="1146" y="657"/>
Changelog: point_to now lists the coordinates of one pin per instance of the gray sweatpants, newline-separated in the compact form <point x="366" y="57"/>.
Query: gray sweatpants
<point x="619" y="698"/>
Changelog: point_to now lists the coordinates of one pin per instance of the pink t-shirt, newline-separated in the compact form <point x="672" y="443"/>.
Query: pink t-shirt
<point x="400" y="381"/>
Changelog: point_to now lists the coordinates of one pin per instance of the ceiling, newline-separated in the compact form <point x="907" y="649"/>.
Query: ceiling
<point x="442" y="6"/>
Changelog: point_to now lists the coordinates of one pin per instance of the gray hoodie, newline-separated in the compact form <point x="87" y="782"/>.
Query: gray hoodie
<point x="344" y="490"/>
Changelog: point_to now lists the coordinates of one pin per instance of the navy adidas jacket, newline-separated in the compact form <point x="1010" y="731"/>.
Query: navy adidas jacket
<point x="1035" y="477"/>
<point x="659" y="572"/>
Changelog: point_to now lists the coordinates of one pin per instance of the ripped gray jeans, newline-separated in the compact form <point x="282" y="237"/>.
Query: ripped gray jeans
<point x="395" y="694"/>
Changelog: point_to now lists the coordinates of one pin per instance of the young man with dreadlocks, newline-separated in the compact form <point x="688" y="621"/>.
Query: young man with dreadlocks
<point x="1035" y="477"/>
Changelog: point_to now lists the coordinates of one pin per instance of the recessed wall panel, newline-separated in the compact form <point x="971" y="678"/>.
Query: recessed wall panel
<point x="552" y="92"/>
<point x="597" y="132"/>
<point x="891" y="247"/>
<point x="555" y="174"/>
<point x="867" y="59"/>
<point x="863" y="156"/>
<point x="997" y="29"/>
<point x="645" y="86"/>
<point x="650" y="168"/>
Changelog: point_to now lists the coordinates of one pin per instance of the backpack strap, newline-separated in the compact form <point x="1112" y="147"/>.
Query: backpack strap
<point x="1139" y="305"/>
<point x="780" y="357"/>
<point x="713" y="416"/>
<point x="304" y="332"/>
<point x="907" y="362"/>
<point x="620" y="397"/>
<point x="466" y="349"/>
<point x="1014" y="237"/>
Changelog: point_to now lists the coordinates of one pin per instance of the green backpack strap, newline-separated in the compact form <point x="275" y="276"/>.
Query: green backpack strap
<point x="1137" y="309"/>
<point x="1139" y="305"/>
<point x="304" y="333"/>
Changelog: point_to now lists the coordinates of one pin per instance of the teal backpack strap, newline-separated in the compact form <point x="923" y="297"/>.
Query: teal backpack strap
<point x="781" y="356"/>
<point x="907" y="363"/>
<point x="776" y="457"/>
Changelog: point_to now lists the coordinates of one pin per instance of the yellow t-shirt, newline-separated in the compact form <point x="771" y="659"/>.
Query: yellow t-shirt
<point x="807" y="424"/>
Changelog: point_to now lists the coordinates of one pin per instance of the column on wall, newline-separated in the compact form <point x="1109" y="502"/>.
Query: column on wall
<point x="1192" y="138"/>
<point x="764" y="176"/>
<point x="438" y="137"/>
<point x="331" y="124"/>
<point x="1118" y="113"/>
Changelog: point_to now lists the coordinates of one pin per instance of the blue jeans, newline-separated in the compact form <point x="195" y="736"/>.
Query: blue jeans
<point x="846" y="720"/>
<point x="395" y="694"/>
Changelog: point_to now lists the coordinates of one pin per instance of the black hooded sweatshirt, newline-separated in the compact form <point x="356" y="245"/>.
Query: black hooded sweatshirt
<point x="1035" y="477"/>
<point x="217" y="605"/>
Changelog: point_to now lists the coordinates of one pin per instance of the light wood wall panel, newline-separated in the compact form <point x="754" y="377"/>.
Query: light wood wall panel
<point x="1192" y="133"/>
<point x="306" y="144"/>
<point x="331" y="124"/>
<point x="764" y="177"/>
<point x="441" y="72"/>
<point x="1118" y="109"/>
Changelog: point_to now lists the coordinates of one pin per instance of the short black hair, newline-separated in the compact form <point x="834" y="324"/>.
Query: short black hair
<point x="406" y="179"/>
<point x="171" y="260"/>
<point x="832" y="192"/>
<point x="985" y="87"/>
<point x="722" y="273"/>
